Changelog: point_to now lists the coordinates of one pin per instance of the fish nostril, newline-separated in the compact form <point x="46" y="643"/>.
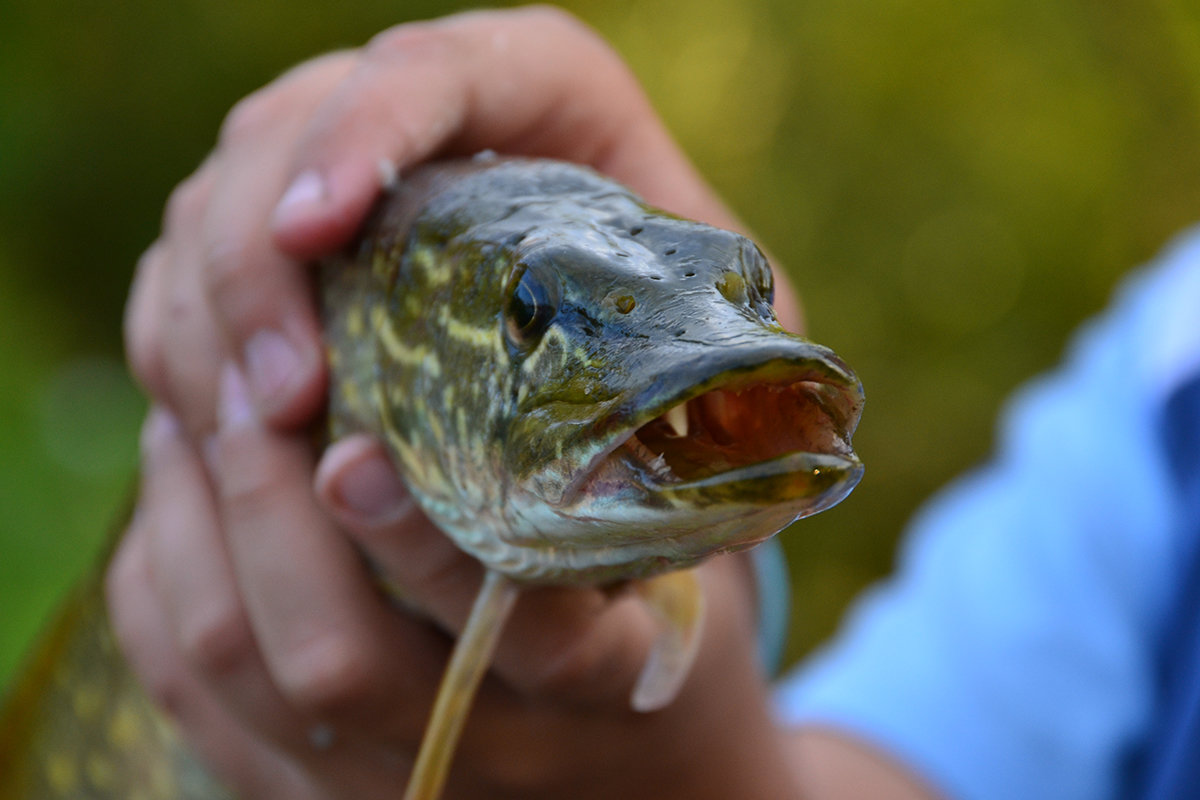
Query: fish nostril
<point x="732" y="287"/>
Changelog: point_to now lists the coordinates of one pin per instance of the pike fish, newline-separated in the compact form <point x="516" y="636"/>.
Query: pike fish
<point x="577" y="388"/>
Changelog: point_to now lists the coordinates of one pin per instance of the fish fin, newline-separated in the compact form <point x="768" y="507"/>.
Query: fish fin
<point x="468" y="662"/>
<point x="677" y="603"/>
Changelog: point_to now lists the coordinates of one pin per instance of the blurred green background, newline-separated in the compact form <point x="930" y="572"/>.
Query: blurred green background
<point x="954" y="186"/>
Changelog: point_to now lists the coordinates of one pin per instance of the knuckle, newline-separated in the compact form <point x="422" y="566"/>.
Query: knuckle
<point x="407" y="39"/>
<point x="229" y="270"/>
<point x="247" y="492"/>
<point x="557" y="20"/>
<point x="187" y="201"/>
<point x="332" y="676"/>
<point x="248" y="117"/>
<point x="549" y="23"/>
<point x="218" y="642"/>
<point x="166" y="684"/>
<point x="320" y="72"/>
<point x="257" y="478"/>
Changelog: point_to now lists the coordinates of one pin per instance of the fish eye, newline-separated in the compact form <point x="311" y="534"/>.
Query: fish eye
<point x="758" y="273"/>
<point x="532" y="305"/>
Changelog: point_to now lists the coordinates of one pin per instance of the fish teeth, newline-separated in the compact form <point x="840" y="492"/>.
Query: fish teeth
<point x="677" y="420"/>
<point x="658" y="465"/>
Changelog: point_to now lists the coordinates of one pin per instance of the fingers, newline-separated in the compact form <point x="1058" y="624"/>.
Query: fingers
<point x="289" y="657"/>
<point x="244" y="761"/>
<point x="583" y="645"/>
<point x="262" y="299"/>
<point x="193" y="584"/>
<point x="533" y="81"/>
<point x="213" y="287"/>
<point x="303" y="156"/>
<point x="330" y="639"/>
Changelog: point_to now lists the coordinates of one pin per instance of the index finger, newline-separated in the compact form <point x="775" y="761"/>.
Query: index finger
<point x="531" y="81"/>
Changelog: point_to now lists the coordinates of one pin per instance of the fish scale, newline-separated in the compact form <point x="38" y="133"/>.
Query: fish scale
<point x="577" y="388"/>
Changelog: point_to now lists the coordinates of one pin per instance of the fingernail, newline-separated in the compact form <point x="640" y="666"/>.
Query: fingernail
<point x="389" y="173"/>
<point x="369" y="489"/>
<point x="234" y="409"/>
<point x="306" y="192"/>
<point x="271" y="364"/>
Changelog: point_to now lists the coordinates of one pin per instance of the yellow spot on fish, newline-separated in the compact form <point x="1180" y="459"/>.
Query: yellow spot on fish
<point x="124" y="727"/>
<point x="350" y="394"/>
<point x="101" y="772"/>
<point x="87" y="701"/>
<point x="62" y="774"/>
<point x="434" y="271"/>
<point x="355" y="324"/>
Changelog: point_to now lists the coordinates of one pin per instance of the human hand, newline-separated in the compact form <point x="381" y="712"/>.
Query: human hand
<point x="241" y="604"/>
<point x="298" y="164"/>
<point x="329" y="697"/>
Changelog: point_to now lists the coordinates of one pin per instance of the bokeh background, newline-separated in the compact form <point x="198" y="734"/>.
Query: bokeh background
<point x="953" y="186"/>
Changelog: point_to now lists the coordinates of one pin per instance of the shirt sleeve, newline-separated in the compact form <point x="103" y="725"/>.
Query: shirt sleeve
<point x="1013" y="652"/>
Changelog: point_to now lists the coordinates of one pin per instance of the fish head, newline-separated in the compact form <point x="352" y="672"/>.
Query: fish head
<point x="624" y="399"/>
<point x="660" y="413"/>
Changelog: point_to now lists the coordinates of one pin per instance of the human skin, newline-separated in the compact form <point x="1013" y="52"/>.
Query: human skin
<point x="239" y="593"/>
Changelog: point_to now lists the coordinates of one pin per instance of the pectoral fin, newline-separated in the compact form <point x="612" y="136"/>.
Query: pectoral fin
<point x="468" y="663"/>
<point x="677" y="603"/>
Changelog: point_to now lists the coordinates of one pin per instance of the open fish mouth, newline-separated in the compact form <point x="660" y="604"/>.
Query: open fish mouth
<point x="774" y="434"/>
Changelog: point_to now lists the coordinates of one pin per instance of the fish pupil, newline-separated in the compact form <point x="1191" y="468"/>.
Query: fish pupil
<point x="530" y="310"/>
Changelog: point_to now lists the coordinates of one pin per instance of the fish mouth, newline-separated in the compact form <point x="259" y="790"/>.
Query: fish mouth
<point x="779" y="432"/>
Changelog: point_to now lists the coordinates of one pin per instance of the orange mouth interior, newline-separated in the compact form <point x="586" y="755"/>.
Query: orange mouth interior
<point x="728" y="428"/>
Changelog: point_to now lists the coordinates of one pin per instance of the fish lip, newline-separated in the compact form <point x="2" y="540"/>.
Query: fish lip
<point x="799" y="361"/>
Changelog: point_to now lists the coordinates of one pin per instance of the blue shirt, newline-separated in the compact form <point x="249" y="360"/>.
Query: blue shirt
<point x="1041" y="636"/>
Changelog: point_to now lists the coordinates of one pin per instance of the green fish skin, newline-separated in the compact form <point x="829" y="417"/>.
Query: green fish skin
<point x="578" y="389"/>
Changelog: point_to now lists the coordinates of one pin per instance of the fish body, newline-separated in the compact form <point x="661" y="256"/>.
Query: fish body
<point x="578" y="389"/>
